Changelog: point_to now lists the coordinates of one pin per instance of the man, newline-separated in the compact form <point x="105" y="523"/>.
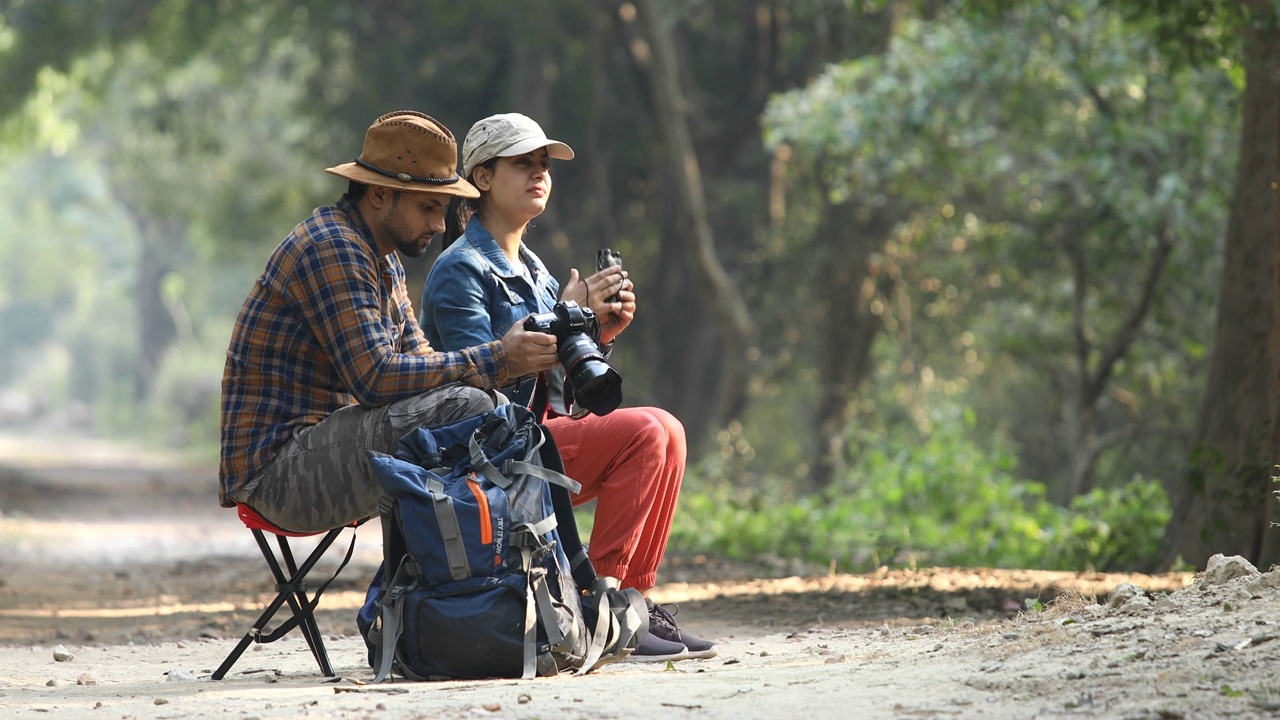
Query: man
<point x="326" y="358"/>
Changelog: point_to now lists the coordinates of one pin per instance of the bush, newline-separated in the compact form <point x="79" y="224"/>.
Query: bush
<point x="185" y="400"/>
<point x="1115" y="528"/>
<point x="940" y="501"/>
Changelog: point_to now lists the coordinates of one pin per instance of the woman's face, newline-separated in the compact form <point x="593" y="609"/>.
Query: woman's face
<point x="518" y="186"/>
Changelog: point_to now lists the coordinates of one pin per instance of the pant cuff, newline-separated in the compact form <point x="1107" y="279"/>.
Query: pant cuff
<point x="640" y="582"/>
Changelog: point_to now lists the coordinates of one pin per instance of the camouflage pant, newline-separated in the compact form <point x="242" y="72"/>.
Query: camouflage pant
<point x="322" y="478"/>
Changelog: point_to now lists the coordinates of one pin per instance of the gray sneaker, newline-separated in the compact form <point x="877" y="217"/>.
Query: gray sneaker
<point x="662" y="623"/>
<point x="656" y="649"/>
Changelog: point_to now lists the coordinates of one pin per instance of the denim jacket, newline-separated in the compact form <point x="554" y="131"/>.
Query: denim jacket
<point x="473" y="296"/>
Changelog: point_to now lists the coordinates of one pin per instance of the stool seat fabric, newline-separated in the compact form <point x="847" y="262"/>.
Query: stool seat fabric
<point x="254" y="521"/>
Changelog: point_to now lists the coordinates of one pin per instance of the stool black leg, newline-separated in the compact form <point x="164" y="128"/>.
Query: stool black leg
<point x="300" y="604"/>
<point x="289" y="589"/>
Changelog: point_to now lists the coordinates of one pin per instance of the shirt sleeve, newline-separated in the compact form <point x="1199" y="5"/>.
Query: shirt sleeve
<point x="341" y="295"/>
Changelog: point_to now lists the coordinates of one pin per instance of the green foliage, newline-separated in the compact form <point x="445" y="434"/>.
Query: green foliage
<point x="1199" y="31"/>
<point x="64" y="308"/>
<point x="1040" y="155"/>
<point x="936" y="499"/>
<point x="1116" y="528"/>
<point x="184" y="405"/>
<point x="125" y="158"/>
<point x="944" y="501"/>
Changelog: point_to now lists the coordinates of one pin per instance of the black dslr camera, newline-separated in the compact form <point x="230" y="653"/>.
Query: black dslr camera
<point x="596" y="386"/>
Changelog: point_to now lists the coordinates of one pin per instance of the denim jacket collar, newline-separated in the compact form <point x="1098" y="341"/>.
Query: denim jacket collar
<point x="479" y="238"/>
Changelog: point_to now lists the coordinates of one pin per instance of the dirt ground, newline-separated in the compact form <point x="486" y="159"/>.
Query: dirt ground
<point x="123" y="586"/>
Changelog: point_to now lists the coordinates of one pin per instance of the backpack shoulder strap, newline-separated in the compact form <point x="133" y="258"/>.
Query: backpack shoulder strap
<point x="391" y="611"/>
<point x="502" y="476"/>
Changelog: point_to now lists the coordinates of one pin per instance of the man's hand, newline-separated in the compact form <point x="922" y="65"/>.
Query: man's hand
<point x="528" y="352"/>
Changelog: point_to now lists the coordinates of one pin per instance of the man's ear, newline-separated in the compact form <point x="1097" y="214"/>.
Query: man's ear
<point x="378" y="196"/>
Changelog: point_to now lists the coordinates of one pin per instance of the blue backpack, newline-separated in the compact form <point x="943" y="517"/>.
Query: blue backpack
<point x="483" y="573"/>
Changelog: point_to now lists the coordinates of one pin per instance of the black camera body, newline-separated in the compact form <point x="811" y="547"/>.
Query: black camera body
<point x="596" y="386"/>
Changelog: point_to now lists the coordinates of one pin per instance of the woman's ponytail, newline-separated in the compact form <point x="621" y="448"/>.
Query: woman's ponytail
<point x="456" y="216"/>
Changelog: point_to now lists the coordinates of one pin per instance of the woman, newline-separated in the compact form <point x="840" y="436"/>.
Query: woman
<point x="631" y="461"/>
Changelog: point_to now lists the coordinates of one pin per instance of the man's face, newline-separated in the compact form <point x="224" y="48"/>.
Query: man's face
<point x="412" y="219"/>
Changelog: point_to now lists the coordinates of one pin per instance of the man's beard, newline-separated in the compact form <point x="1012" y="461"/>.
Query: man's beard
<point x="393" y="227"/>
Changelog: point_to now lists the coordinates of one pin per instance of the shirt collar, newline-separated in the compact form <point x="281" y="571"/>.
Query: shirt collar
<point x="347" y="207"/>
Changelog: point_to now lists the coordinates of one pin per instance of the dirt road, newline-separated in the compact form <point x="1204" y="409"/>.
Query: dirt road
<point x="124" y="562"/>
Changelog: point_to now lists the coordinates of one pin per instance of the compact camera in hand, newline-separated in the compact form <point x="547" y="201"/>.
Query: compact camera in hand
<point x="596" y="386"/>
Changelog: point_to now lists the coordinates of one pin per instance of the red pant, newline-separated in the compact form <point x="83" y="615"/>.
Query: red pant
<point x="631" y="462"/>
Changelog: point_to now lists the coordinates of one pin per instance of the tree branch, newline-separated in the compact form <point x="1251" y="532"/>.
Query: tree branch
<point x="1128" y="332"/>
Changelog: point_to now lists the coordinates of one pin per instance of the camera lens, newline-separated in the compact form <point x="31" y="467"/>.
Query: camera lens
<point x="596" y="386"/>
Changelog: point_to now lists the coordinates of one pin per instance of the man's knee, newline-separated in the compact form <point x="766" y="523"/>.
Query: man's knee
<point x="470" y="401"/>
<point x="438" y="407"/>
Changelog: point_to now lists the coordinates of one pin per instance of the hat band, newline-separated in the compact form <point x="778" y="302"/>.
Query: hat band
<point x="406" y="177"/>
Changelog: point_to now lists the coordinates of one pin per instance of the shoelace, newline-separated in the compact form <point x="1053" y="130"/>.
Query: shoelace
<point x="665" y="618"/>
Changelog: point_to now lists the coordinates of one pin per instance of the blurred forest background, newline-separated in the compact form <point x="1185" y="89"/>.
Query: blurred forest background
<point x="928" y="281"/>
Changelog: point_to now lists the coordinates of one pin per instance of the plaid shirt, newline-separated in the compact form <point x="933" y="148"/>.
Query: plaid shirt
<point x="327" y="325"/>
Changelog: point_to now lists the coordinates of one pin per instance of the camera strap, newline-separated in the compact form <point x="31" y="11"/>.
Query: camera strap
<point x="539" y="403"/>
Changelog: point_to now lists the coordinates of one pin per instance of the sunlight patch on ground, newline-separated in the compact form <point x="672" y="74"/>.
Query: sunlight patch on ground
<point x="148" y="540"/>
<point x="120" y="541"/>
<point x="941" y="579"/>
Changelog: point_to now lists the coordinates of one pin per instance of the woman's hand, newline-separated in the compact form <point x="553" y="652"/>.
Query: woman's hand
<point x="595" y="292"/>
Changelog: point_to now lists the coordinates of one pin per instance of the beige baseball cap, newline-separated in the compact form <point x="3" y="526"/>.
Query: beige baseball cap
<point x="507" y="135"/>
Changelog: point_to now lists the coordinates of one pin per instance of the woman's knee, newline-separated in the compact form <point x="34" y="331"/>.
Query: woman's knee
<point x="662" y="431"/>
<point x="673" y="430"/>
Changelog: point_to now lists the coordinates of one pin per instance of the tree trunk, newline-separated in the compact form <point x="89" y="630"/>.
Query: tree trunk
<point x="156" y="327"/>
<point x="1078" y="436"/>
<point x="598" y="169"/>
<point x="1225" y="504"/>
<point x="856" y="279"/>
<point x="695" y="239"/>
<point x="1086" y="383"/>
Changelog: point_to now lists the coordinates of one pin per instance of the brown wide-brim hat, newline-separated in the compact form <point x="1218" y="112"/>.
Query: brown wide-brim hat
<point x="407" y="150"/>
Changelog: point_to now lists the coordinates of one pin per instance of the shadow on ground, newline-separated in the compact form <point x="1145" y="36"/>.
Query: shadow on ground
<point x="106" y="547"/>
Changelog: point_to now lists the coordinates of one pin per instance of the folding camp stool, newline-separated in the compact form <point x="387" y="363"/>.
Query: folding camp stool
<point x="290" y="588"/>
